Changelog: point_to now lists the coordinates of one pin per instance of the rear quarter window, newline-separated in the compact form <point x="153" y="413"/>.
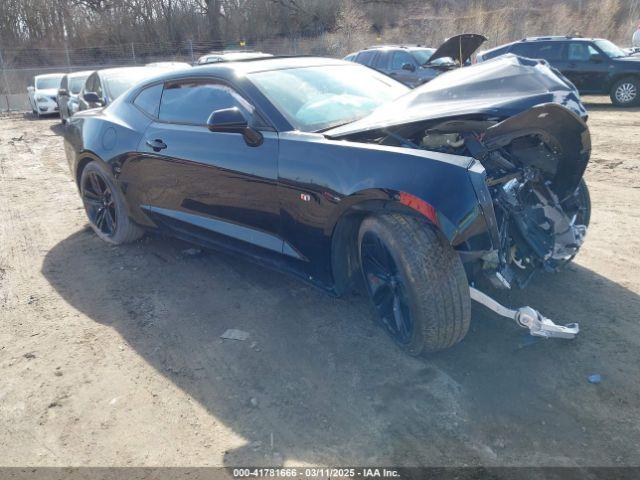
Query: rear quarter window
<point x="495" y="53"/>
<point x="148" y="100"/>
<point x="366" y="57"/>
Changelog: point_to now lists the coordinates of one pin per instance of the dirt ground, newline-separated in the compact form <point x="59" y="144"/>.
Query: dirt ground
<point x="113" y="356"/>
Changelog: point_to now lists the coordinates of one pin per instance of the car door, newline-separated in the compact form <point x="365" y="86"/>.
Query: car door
<point x="206" y="183"/>
<point x="383" y="61"/>
<point x="403" y="68"/>
<point x="577" y="67"/>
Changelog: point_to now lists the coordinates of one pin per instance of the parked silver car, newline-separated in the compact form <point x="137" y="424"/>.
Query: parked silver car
<point x="68" y="93"/>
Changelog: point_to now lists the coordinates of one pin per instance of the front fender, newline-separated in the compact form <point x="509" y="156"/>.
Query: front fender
<point x="321" y="180"/>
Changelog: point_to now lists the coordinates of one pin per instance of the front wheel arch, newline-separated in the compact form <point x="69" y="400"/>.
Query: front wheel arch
<point x="635" y="79"/>
<point x="345" y="260"/>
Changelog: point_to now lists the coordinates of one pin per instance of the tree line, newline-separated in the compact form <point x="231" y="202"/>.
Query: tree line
<point x="28" y="24"/>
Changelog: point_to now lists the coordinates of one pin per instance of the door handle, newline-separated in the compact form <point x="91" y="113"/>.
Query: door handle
<point x="157" y="144"/>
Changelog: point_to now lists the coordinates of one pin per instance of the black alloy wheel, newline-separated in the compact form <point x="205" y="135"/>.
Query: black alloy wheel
<point x="386" y="288"/>
<point x="99" y="203"/>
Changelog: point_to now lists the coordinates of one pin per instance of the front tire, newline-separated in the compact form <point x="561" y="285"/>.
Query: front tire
<point x="580" y="202"/>
<point x="416" y="282"/>
<point x="626" y="92"/>
<point x="105" y="206"/>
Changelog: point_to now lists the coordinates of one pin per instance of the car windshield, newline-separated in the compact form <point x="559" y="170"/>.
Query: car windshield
<point x="318" y="98"/>
<point x="611" y="50"/>
<point x="422" y="55"/>
<point x="76" y="84"/>
<point x="48" y="82"/>
<point x="120" y="82"/>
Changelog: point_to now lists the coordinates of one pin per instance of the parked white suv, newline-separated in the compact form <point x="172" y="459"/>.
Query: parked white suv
<point x="43" y="92"/>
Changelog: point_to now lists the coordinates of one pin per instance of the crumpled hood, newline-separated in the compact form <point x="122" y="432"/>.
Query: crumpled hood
<point x="459" y="47"/>
<point x="501" y="87"/>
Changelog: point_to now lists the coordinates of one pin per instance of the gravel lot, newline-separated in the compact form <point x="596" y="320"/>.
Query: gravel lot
<point x="113" y="356"/>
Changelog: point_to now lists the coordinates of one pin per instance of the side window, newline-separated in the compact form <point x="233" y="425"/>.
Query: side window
<point x="366" y="57"/>
<point x="148" y="100"/>
<point x="529" y="50"/>
<point x="495" y="53"/>
<point x="193" y="101"/>
<point x="550" y="51"/>
<point x="592" y="51"/>
<point x="384" y="59"/>
<point x="399" y="59"/>
<point x="98" y="84"/>
<point x="90" y="84"/>
<point x="578" y="52"/>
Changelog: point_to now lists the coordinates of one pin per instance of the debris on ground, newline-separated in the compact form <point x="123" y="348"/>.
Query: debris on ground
<point x="594" y="378"/>
<point x="233" y="334"/>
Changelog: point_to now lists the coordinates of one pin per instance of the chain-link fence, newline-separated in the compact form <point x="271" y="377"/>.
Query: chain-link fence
<point x="18" y="67"/>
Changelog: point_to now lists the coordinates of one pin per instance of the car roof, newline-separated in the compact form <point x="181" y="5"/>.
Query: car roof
<point x="231" y="70"/>
<point x="390" y="46"/>
<point x="50" y="75"/>
<point x="557" y="38"/>
<point x="265" y="64"/>
<point x="83" y="73"/>
<point x="109" y="71"/>
<point x="231" y="55"/>
<point x="548" y="38"/>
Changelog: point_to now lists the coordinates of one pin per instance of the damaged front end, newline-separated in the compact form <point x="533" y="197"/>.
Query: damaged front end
<point x="526" y="126"/>
<point x="534" y="163"/>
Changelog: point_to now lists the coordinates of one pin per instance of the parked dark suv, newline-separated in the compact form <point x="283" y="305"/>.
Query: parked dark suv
<point x="594" y="65"/>
<point x="414" y="65"/>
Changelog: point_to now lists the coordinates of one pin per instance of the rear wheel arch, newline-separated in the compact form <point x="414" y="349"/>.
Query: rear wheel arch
<point x="85" y="159"/>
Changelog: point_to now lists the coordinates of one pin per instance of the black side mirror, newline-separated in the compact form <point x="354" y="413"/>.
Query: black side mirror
<point x="408" y="66"/>
<point x="232" y="120"/>
<point x="92" y="97"/>
<point x="596" y="58"/>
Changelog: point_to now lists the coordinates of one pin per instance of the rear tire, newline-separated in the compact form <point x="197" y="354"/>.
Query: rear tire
<point x="626" y="92"/>
<point x="422" y="298"/>
<point x="106" y="207"/>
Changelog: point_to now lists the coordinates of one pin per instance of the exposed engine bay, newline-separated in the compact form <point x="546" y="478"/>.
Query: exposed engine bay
<point x="534" y="163"/>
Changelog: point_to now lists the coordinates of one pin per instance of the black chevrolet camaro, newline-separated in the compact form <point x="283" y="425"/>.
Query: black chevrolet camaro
<point x="343" y="176"/>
